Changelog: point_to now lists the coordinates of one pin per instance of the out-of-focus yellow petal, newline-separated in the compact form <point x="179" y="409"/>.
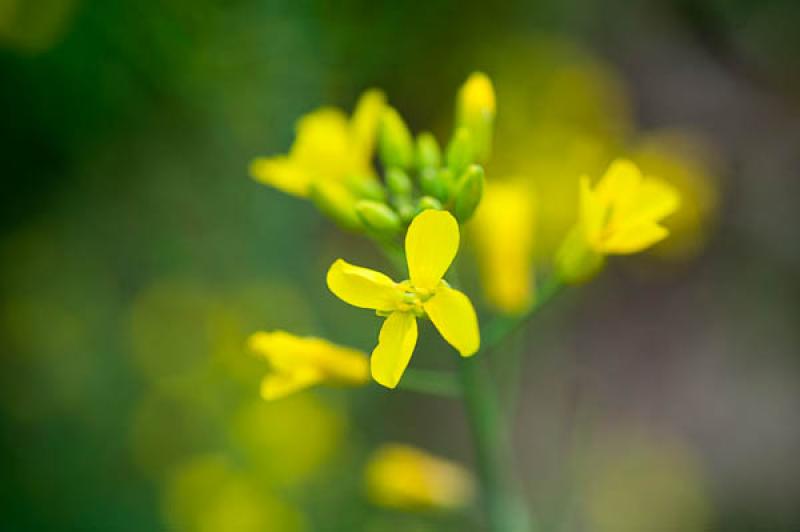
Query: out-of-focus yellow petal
<point x="282" y="173"/>
<point x="364" y="124"/>
<point x="431" y="245"/>
<point x="634" y="238"/>
<point x="619" y="182"/>
<point x="362" y="287"/>
<point x="396" y="343"/>
<point x="406" y="478"/>
<point x="504" y="228"/>
<point x="322" y="147"/>
<point x="279" y="385"/>
<point x="298" y="362"/>
<point x="654" y="200"/>
<point x="592" y="211"/>
<point x="452" y="313"/>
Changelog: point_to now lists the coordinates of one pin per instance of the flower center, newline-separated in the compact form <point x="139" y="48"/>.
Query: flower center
<point x="413" y="298"/>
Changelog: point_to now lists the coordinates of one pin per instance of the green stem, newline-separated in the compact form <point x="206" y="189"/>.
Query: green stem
<point x="506" y="509"/>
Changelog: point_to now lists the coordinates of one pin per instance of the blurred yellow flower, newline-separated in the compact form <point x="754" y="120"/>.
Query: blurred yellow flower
<point x="431" y="245"/>
<point x="503" y="232"/>
<point x="298" y="363"/>
<point x="406" y="478"/>
<point x="328" y="148"/>
<point x="620" y="215"/>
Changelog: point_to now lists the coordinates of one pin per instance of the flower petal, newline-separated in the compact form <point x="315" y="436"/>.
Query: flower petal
<point x="431" y="246"/>
<point x="396" y="343"/>
<point x="362" y="287"/>
<point x="280" y="384"/>
<point x="364" y="124"/>
<point x="282" y="173"/>
<point x="592" y="211"/>
<point x="619" y="182"/>
<point x="452" y="313"/>
<point x="634" y="239"/>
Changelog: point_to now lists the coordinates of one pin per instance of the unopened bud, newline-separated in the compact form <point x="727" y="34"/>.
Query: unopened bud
<point x="475" y="110"/>
<point x="366" y="187"/>
<point x="395" y="143"/>
<point x="429" y="155"/>
<point x="460" y="152"/>
<point x="398" y="182"/>
<point x="434" y="182"/>
<point x="379" y="218"/>
<point x="469" y="191"/>
<point x="406" y="209"/>
<point x="336" y="201"/>
<point x="428" y="202"/>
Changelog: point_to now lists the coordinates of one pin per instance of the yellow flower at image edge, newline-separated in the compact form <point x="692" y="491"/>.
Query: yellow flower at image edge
<point x="621" y="215"/>
<point x="298" y="363"/>
<point x="406" y="478"/>
<point x="431" y="245"/>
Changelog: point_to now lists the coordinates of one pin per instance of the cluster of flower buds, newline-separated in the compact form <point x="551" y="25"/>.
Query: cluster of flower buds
<point x="332" y="163"/>
<point x="418" y="175"/>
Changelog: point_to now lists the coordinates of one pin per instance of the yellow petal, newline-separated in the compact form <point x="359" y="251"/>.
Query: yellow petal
<point x="431" y="246"/>
<point x="619" y="182"/>
<point x="634" y="239"/>
<point x="396" y="343"/>
<point x="322" y="146"/>
<point x="281" y="173"/>
<point x="654" y="200"/>
<point x="364" y="123"/>
<point x="279" y="385"/>
<point x="452" y="313"/>
<point x="504" y="230"/>
<point x="362" y="287"/>
<point x="593" y="211"/>
<point x="288" y="354"/>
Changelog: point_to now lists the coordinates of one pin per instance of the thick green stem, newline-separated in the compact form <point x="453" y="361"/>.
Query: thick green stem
<point x="505" y="506"/>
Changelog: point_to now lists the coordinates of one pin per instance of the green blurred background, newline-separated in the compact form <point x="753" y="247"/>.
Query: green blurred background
<point x="137" y="256"/>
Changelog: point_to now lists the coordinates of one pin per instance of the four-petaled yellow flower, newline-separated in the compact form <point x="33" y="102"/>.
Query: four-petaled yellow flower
<point x="329" y="148"/>
<point x="406" y="478"/>
<point x="431" y="245"/>
<point x="298" y="363"/>
<point x="620" y="215"/>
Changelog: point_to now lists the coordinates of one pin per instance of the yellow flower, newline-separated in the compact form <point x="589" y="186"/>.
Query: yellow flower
<point x="328" y="148"/>
<point x="504" y="237"/>
<point x="431" y="245"/>
<point x="403" y="477"/>
<point x="298" y="363"/>
<point x="620" y="215"/>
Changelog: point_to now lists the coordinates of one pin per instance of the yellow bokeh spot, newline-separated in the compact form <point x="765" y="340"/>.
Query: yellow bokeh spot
<point x="207" y="494"/>
<point x="287" y="441"/>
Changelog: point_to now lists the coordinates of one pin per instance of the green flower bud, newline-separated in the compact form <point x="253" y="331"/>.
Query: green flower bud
<point x="398" y="182"/>
<point x="406" y="209"/>
<point x="428" y="202"/>
<point x="337" y="202"/>
<point x="366" y="187"/>
<point x="379" y="218"/>
<point x="575" y="261"/>
<point x="460" y="151"/>
<point x="469" y="190"/>
<point x="428" y="153"/>
<point x="434" y="182"/>
<point x="396" y="146"/>
<point x="475" y="110"/>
